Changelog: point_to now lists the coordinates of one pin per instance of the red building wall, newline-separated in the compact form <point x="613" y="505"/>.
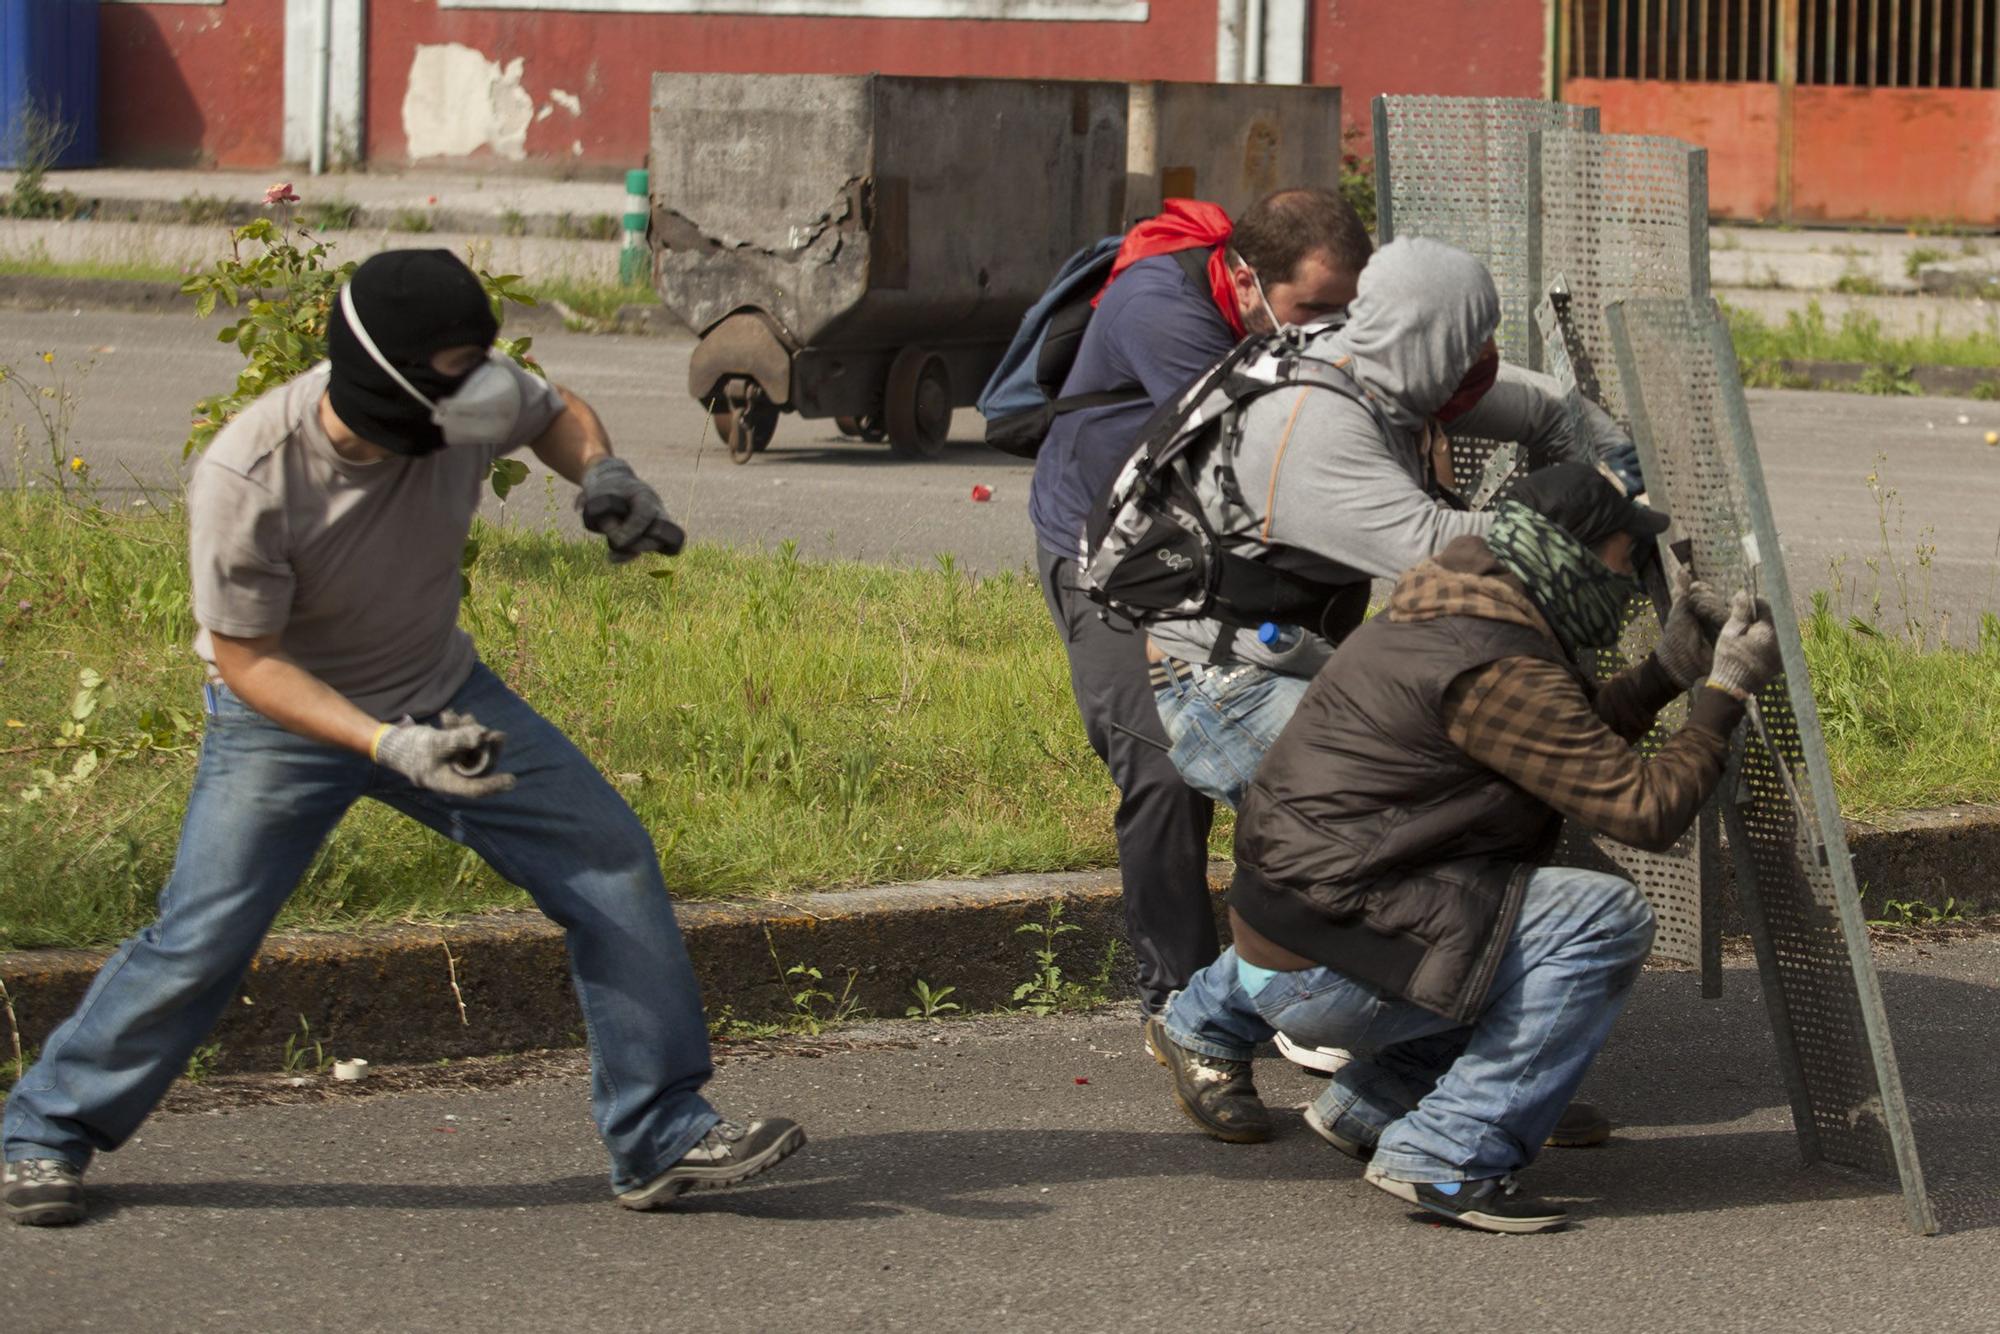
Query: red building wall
<point x="185" y="83"/>
<point x="1457" y="48"/>
<point x="188" y="83"/>
<point x="607" y="60"/>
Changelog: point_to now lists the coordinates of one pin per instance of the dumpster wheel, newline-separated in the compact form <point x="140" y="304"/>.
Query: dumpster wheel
<point x="744" y="418"/>
<point x="867" y="427"/>
<point x="916" y="403"/>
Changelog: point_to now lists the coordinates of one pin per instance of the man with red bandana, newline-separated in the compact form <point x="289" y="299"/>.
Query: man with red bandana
<point x="1186" y="286"/>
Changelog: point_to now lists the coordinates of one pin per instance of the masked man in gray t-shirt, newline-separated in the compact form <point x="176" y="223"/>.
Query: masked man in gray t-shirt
<point x="326" y="525"/>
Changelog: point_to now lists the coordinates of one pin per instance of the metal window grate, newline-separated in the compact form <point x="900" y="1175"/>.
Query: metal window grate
<point x="1793" y="872"/>
<point x="1846" y="43"/>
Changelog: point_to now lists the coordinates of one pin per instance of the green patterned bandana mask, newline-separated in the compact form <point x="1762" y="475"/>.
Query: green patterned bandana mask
<point x="1582" y="597"/>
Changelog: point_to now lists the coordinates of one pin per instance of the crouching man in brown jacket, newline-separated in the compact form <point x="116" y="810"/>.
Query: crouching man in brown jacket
<point x="1391" y="896"/>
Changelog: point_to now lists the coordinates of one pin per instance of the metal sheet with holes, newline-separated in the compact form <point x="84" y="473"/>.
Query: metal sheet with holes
<point x="1793" y="872"/>
<point x="1456" y="169"/>
<point x="1616" y="216"/>
<point x="1679" y="881"/>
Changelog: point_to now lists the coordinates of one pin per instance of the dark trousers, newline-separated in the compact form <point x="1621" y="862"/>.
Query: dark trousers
<point x="1162" y="823"/>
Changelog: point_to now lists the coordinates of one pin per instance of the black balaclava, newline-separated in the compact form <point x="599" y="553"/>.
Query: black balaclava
<point x="413" y="303"/>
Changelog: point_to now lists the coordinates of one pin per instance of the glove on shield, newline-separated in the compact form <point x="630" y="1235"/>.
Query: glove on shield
<point x="1687" y="641"/>
<point x="1746" y="652"/>
<point x="628" y="512"/>
<point x="455" y="757"/>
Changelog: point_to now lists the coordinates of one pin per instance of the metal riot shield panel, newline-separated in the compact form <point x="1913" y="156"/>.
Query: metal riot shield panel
<point x="1682" y="883"/>
<point x="1455" y="169"/>
<point x="1617" y="216"/>
<point x="1794" y="877"/>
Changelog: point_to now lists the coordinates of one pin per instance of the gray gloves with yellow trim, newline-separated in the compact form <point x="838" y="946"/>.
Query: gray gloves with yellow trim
<point x="1746" y="652"/>
<point x="456" y="757"/>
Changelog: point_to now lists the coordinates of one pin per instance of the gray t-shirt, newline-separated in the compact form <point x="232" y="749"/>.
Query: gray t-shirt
<point x="355" y="565"/>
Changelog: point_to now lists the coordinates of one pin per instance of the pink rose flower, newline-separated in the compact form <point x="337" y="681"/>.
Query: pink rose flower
<point x="280" y="193"/>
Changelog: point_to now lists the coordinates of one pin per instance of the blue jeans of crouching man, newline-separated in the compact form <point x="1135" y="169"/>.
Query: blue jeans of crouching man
<point x="264" y="800"/>
<point x="1441" y="1101"/>
<point x="1222" y="719"/>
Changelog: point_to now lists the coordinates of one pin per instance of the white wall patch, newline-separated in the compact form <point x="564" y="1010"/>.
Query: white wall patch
<point x="457" y="102"/>
<point x="569" y="102"/>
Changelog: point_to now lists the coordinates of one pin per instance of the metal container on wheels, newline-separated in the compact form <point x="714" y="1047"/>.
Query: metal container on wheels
<point x="863" y="247"/>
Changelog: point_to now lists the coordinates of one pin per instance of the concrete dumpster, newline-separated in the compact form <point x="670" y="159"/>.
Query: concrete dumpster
<point x="863" y="247"/>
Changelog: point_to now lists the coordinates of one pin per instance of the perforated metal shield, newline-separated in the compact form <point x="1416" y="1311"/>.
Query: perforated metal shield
<point x="1680" y="881"/>
<point x="1455" y="169"/>
<point x="1794" y="876"/>
<point x="1617" y="216"/>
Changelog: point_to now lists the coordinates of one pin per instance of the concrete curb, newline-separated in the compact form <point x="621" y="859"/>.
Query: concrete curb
<point x="36" y="292"/>
<point x="388" y="994"/>
<point x="602" y="225"/>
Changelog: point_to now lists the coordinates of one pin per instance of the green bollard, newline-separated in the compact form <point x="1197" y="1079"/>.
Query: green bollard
<point x="635" y="268"/>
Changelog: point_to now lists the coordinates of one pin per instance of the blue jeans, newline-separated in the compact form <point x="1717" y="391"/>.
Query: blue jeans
<point x="264" y="800"/>
<point x="1221" y="720"/>
<point x="1443" y="1101"/>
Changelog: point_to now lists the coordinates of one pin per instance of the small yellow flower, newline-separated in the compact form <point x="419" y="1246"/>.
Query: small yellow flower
<point x="48" y="358"/>
<point x="76" y="463"/>
<point x="15" y="722"/>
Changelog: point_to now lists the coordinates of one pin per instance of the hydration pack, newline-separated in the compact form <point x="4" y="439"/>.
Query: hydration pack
<point x="1022" y="398"/>
<point x="1152" y="551"/>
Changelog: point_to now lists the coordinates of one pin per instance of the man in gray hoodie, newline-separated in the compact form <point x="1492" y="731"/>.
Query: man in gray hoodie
<point x="1366" y="494"/>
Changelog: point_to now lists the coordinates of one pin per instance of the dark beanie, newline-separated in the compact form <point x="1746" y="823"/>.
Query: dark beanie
<point x="413" y="303"/>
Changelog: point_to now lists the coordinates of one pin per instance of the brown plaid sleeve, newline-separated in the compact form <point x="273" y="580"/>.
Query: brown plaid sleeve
<point x="1531" y="722"/>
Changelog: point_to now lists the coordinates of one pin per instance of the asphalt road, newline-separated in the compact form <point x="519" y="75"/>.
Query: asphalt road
<point x="966" y="1176"/>
<point x="843" y="498"/>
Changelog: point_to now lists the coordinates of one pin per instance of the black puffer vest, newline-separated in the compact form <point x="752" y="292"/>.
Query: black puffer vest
<point x="1372" y="844"/>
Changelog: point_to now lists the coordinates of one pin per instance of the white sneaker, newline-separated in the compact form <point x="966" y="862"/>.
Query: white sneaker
<point x="1321" y="1060"/>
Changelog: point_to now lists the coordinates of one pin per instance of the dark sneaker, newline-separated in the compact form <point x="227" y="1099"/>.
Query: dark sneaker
<point x="1354" y="1149"/>
<point x="1217" y="1095"/>
<point x="1582" y="1125"/>
<point x="727" y="1154"/>
<point x="1492" y="1205"/>
<point x="43" y="1192"/>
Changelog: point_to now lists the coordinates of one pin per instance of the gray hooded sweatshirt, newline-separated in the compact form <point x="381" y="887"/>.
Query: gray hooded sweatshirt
<point x="1317" y="470"/>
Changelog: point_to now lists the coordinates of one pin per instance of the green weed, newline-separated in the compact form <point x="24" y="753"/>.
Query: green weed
<point x="1914" y="261"/>
<point x="412" y="220"/>
<point x="202" y="1062"/>
<point x="931" y="1004"/>
<point x="304" y="1053"/>
<point x="1904" y="914"/>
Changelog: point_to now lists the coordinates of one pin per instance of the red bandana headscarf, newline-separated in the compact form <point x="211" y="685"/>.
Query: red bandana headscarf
<point x="1183" y="224"/>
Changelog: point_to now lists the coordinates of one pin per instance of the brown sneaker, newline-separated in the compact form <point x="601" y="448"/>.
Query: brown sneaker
<point x="1582" y="1126"/>
<point x="1217" y="1095"/>
<point x="727" y="1154"/>
<point x="42" y="1192"/>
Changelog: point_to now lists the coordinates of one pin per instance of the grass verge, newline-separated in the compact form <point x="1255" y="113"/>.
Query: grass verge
<point x="1762" y="348"/>
<point x="594" y="301"/>
<point x="779" y="724"/>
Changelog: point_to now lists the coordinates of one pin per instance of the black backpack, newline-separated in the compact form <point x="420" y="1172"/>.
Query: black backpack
<point x="1022" y="399"/>
<point x="1153" y="553"/>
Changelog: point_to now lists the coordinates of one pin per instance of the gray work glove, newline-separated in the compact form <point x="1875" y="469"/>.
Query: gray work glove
<point x="628" y="512"/>
<point x="455" y="757"/>
<point x="1687" y="641"/>
<point x="1746" y="652"/>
